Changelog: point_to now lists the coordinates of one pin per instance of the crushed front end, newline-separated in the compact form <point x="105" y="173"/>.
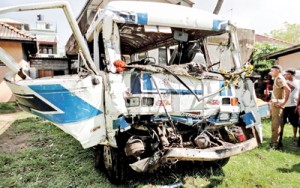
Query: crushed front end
<point x="175" y="90"/>
<point x="160" y="88"/>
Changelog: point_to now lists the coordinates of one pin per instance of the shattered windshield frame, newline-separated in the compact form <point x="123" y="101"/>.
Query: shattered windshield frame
<point x="210" y="48"/>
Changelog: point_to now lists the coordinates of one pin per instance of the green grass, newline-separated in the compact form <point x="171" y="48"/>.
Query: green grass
<point x="8" y="107"/>
<point x="51" y="159"/>
<point x="54" y="159"/>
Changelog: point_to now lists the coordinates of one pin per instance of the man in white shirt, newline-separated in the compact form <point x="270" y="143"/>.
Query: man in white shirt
<point x="289" y="112"/>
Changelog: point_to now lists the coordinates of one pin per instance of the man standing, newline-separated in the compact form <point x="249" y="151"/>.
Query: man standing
<point x="280" y="95"/>
<point x="289" y="111"/>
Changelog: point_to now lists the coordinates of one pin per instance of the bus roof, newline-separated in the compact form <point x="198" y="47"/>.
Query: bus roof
<point x="163" y="14"/>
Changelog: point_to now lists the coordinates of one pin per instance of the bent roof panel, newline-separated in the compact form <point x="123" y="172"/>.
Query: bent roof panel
<point x="163" y="14"/>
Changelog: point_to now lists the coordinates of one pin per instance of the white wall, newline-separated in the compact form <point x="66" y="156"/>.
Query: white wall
<point x="290" y="61"/>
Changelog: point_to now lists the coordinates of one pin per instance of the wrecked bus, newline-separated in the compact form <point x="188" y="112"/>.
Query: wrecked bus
<point x="158" y="84"/>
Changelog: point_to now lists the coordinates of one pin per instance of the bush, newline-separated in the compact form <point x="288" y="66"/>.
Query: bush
<point x="8" y="107"/>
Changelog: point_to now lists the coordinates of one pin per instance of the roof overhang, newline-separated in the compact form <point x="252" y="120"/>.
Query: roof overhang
<point x="9" y="33"/>
<point x="283" y="52"/>
<point x="47" y="42"/>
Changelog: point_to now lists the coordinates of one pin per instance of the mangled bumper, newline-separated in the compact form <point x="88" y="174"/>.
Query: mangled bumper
<point x="186" y="154"/>
<point x="209" y="154"/>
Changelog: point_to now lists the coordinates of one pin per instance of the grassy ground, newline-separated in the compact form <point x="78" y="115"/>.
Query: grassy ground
<point x="34" y="153"/>
<point x="8" y="107"/>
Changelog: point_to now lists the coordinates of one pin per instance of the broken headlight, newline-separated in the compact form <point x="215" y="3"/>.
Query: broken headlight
<point x="132" y="101"/>
<point x="224" y="116"/>
<point x="147" y="101"/>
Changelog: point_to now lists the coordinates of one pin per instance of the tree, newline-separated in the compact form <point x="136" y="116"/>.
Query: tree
<point x="290" y="33"/>
<point x="261" y="65"/>
<point x="262" y="49"/>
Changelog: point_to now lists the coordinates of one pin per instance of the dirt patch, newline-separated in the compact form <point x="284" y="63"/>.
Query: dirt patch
<point x="15" y="143"/>
<point x="7" y="119"/>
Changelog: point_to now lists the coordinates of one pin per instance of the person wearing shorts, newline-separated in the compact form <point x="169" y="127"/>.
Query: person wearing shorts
<point x="289" y="112"/>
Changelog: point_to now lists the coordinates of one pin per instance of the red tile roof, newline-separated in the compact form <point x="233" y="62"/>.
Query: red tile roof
<point x="8" y="32"/>
<point x="263" y="38"/>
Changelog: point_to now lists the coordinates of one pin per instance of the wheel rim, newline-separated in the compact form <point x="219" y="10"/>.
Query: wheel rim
<point x="107" y="157"/>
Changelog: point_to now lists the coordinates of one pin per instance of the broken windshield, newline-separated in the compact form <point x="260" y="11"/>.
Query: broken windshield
<point x="219" y="52"/>
<point x="142" y="40"/>
<point x="135" y="39"/>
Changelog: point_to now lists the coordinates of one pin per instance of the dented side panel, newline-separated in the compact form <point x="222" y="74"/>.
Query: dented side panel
<point x="75" y="105"/>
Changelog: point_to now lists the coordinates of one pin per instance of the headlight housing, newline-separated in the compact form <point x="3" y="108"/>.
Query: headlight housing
<point x="132" y="101"/>
<point x="224" y="116"/>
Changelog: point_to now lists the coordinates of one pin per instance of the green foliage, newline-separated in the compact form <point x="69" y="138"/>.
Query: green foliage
<point x="262" y="49"/>
<point x="55" y="159"/>
<point x="290" y="33"/>
<point x="8" y="107"/>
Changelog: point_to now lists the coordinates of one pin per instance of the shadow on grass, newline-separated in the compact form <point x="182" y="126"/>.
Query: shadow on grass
<point x="288" y="140"/>
<point x="181" y="173"/>
<point x="288" y="145"/>
<point x="294" y="168"/>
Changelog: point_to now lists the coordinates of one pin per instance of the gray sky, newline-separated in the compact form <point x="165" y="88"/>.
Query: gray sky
<point x="260" y="15"/>
<point x="55" y="16"/>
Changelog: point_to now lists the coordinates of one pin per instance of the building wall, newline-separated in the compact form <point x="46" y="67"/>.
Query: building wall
<point x="52" y="64"/>
<point x="15" y="50"/>
<point x="290" y="61"/>
<point x="48" y="67"/>
<point x="6" y="94"/>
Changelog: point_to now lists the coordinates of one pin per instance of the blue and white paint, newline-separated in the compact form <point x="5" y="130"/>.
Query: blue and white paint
<point x="72" y="108"/>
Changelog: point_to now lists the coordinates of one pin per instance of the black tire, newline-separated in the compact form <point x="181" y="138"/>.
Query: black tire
<point x="217" y="164"/>
<point x="98" y="157"/>
<point x="115" y="165"/>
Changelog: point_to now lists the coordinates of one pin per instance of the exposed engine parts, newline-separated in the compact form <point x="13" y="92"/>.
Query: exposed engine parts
<point x="134" y="147"/>
<point x="147" y="143"/>
<point x="202" y="141"/>
<point x="162" y="133"/>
